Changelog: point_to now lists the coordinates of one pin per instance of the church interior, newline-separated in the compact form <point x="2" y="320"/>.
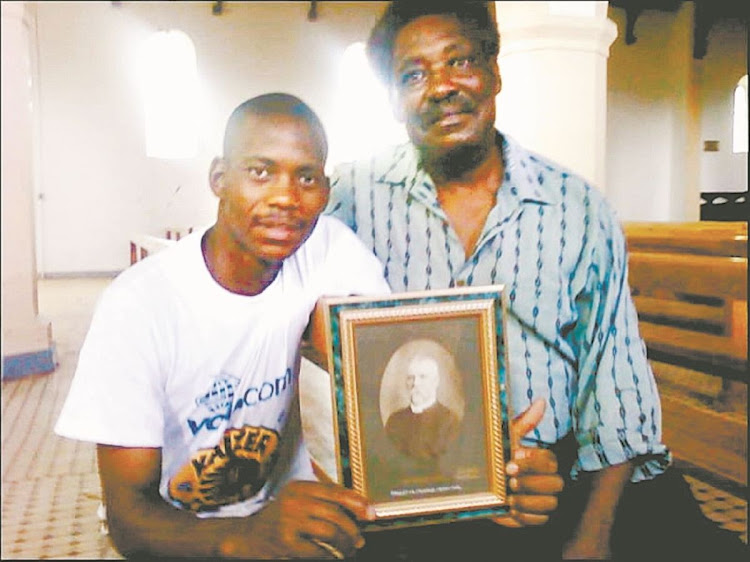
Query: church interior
<point x="107" y="143"/>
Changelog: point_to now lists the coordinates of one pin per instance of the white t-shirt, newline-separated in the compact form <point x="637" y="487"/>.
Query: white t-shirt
<point x="173" y="360"/>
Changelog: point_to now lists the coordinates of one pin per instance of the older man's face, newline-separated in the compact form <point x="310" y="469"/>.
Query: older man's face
<point x="422" y="380"/>
<point x="443" y="89"/>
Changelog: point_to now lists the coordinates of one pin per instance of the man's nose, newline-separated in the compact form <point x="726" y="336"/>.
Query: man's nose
<point x="284" y="192"/>
<point x="440" y="83"/>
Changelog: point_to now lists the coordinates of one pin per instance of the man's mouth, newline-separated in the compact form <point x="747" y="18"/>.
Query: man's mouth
<point x="281" y="229"/>
<point x="449" y="119"/>
<point x="448" y="116"/>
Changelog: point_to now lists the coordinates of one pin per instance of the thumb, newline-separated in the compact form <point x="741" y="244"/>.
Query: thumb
<point x="527" y="420"/>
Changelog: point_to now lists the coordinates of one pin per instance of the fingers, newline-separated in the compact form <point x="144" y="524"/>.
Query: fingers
<point x="332" y="524"/>
<point x="527" y="421"/>
<point x="336" y="495"/>
<point x="516" y="519"/>
<point x="534" y="471"/>
<point x="315" y="513"/>
<point x="527" y="510"/>
<point x="508" y="521"/>
<point x="533" y="505"/>
<point x="529" y="460"/>
<point x="542" y="485"/>
<point x="528" y="519"/>
<point x="533" y="481"/>
<point x="352" y="501"/>
<point x="356" y="504"/>
<point x="338" y="536"/>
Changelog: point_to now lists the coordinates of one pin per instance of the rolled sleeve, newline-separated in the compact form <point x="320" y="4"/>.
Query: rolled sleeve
<point x="618" y="408"/>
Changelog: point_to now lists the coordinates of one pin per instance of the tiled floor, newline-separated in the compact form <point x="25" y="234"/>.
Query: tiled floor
<point x="727" y="509"/>
<point x="50" y="486"/>
<point x="50" y="489"/>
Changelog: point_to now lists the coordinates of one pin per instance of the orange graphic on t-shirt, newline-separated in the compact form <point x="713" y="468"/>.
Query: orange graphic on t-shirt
<point x="233" y="471"/>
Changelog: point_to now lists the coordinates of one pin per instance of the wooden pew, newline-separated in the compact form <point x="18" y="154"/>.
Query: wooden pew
<point x="143" y="245"/>
<point x="689" y="284"/>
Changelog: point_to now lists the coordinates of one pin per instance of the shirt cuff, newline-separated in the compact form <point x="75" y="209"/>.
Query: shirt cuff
<point x="600" y="451"/>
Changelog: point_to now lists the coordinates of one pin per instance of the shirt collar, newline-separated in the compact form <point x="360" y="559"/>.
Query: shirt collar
<point x="524" y="173"/>
<point x="523" y="181"/>
<point x="423" y="408"/>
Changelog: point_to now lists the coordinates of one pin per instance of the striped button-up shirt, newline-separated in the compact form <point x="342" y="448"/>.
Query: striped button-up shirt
<point x="556" y="245"/>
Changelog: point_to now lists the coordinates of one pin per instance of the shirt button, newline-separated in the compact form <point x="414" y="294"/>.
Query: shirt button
<point x="460" y="283"/>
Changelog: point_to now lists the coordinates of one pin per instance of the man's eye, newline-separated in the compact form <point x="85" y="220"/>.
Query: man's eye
<point x="308" y="180"/>
<point x="412" y="77"/>
<point x="463" y="63"/>
<point x="257" y="173"/>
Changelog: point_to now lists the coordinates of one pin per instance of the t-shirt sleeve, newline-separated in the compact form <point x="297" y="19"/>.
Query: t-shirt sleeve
<point x="351" y="268"/>
<point x="116" y="396"/>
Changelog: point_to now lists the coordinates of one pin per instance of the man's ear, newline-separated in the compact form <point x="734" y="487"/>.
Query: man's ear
<point x="216" y="175"/>
<point x="498" y="78"/>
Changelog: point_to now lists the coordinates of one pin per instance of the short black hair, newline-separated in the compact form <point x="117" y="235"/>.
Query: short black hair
<point x="473" y="16"/>
<point x="275" y="103"/>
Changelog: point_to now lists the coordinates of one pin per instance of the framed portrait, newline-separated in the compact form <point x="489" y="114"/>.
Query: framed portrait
<point x="420" y="402"/>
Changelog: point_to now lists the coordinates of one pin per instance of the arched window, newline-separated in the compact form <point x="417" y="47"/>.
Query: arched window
<point x="739" y="117"/>
<point x="170" y="87"/>
<point x="363" y="122"/>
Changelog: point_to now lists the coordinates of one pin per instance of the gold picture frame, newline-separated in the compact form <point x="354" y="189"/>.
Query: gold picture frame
<point x="421" y="467"/>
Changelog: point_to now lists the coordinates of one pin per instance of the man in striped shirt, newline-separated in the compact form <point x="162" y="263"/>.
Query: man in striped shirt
<point x="463" y="204"/>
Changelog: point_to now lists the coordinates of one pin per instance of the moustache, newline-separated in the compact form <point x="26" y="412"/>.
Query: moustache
<point x="436" y="111"/>
<point x="281" y="220"/>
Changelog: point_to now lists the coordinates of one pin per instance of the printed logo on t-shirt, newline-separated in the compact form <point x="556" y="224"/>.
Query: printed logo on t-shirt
<point x="231" y="472"/>
<point x="222" y="399"/>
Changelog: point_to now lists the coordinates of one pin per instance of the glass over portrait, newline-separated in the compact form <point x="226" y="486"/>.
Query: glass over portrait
<point x="420" y="402"/>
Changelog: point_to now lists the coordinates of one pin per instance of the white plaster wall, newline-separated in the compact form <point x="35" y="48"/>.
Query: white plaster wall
<point x="98" y="186"/>
<point x="662" y="104"/>
<point x="22" y="330"/>
<point x="646" y="82"/>
<point x="724" y="64"/>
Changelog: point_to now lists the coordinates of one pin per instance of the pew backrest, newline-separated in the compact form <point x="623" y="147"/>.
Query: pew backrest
<point x="689" y="284"/>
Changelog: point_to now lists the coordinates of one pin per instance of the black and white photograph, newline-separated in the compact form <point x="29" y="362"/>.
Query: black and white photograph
<point x="419" y="381"/>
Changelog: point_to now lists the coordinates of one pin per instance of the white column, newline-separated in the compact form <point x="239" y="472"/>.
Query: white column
<point x="26" y="339"/>
<point x="553" y="64"/>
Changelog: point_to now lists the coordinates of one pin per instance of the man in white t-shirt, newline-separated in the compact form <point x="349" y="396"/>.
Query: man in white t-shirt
<point x="187" y="380"/>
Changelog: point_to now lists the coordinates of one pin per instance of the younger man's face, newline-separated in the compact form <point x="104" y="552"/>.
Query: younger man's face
<point x="271" y="186"/>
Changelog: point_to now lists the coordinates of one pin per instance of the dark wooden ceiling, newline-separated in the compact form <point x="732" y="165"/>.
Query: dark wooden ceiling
<point x="707" y="12"/>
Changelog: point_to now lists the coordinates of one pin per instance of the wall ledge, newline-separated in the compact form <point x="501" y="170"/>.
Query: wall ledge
<point x="109" y="274"/>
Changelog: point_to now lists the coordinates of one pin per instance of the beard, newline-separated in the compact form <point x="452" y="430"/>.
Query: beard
<point x="455" y="162"/>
